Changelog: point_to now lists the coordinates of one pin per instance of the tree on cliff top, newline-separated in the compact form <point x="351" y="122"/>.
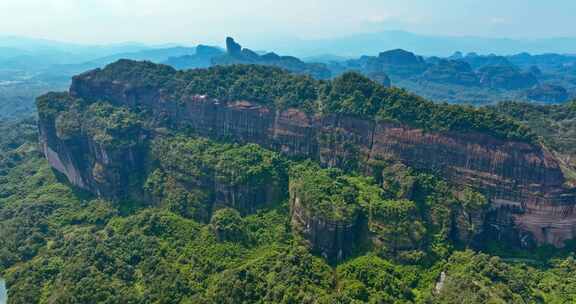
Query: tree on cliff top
<point x="350" y="94"/>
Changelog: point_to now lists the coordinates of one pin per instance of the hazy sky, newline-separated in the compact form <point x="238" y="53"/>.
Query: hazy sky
<point x="208" y="21"/>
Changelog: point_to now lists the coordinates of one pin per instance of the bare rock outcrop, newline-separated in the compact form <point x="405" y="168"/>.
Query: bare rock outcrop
<point x="324" y="212"/>
<point x="511" y="174"/>
<point x="102" y="168"/>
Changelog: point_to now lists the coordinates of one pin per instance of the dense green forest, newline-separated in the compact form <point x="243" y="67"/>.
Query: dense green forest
<point x="556" y="124"/>
<point x="221" y="222"/>
<point x="59" y="245"/>
<point x="379" y="152"/>
<point x="350" y="93"/>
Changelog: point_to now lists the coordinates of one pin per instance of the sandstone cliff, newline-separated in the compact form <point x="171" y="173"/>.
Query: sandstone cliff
<point x="88" y="161"/>
<point x="523" y="181"/>
<point x="325" y="211"/>
<point x="334" y="240"/>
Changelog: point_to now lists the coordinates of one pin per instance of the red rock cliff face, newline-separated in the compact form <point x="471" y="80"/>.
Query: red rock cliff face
<point x="524" y="182"/>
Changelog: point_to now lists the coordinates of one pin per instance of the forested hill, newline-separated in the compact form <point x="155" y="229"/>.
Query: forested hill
<point x="556" y="124"/>
<point x="459" y="79"/>
<point x="248" y="184"/>
<point x="350" y="93"/>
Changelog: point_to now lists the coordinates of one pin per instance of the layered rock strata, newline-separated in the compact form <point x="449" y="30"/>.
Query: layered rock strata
<point x="334" y="240"/>
<point x="517" y="176"/>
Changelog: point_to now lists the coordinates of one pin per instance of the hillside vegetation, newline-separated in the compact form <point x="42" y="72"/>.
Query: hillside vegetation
<point x="221" y="222"/>
<point x="349" y="93"/>
<point x="61" y="246"/>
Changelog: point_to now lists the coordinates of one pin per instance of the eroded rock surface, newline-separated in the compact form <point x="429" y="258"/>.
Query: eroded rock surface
<point x="332" y="239"/>
<point x="514" y="175"/>
<point x="100" y="168"/>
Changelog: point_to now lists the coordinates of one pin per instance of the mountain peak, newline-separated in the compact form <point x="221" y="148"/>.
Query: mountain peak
<point x="232" y="47"/>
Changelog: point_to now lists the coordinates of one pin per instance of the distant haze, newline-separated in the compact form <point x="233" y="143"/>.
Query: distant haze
<point x="303" y="27"/>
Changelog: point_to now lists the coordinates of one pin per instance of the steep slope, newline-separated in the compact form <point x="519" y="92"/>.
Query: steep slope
<point x="350" y="123"/>
<point x="56" y="245"/>
<point x="235" y="54"/>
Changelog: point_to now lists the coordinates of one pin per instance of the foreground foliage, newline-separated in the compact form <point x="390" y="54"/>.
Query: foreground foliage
<point x="58" y="245"/>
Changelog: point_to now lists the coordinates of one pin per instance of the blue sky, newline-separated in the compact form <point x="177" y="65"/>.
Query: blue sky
<point x="208" y="21"/>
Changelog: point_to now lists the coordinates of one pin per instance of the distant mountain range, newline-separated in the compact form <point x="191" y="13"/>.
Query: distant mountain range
<point x="345" y="46"/>
<point x="29" y="67"/>
<point x="21" y="52"/>
<point x="429" y="45"/>
<point x="459" y="78"/>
